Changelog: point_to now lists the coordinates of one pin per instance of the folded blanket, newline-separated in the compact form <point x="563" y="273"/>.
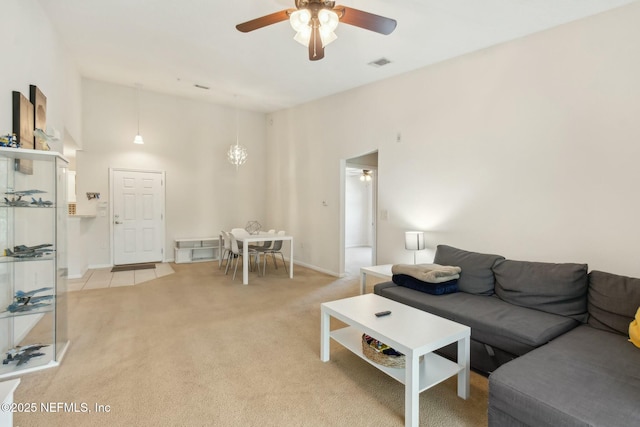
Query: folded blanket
<point x="442" y="288"/>
<point x="432" y="273"/>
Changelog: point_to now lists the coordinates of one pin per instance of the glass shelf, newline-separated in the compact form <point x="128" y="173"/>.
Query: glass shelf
<point x="39" y="179"/>
<point x="11" y="259"/>
<point x="45" y="309"/>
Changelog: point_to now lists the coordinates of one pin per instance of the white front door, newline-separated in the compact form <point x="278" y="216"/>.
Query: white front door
<point x="138" y="216"/>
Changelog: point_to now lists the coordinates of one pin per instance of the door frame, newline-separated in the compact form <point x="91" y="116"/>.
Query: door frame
<point x="344" y="163"/>
<point x="163" y="231"/>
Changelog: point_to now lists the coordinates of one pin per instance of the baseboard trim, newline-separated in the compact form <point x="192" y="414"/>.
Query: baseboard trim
<point x="314" y="267"/>
<point x="97" y="266"/>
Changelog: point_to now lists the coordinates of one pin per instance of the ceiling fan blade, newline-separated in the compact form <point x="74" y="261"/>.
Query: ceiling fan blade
<point x="366" y="20"/>
<point x="316" y="50"/>
<point x="263" y="21"/>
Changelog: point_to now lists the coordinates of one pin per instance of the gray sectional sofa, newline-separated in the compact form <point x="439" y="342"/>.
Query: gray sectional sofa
<point x="553" y="338"/>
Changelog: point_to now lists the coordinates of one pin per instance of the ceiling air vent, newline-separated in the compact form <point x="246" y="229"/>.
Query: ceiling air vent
<point x="380" y="62"/>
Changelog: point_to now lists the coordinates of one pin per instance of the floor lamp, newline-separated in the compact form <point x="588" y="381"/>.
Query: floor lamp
<point x="414" y="241"/>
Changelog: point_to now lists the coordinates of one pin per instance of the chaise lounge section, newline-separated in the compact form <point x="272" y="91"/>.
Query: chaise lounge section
<point x="589" y="376"/>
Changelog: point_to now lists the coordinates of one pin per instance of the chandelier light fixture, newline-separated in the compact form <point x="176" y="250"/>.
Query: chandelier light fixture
<point x="138" y="139"/>
<point x="237" y="154"/>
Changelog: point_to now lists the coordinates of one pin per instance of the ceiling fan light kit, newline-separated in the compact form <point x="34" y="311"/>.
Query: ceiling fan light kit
<point x="316" y="20"/>
<point x="301" y="22"/>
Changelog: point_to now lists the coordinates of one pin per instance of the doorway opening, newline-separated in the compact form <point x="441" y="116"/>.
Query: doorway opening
<point x="360" y="207"/>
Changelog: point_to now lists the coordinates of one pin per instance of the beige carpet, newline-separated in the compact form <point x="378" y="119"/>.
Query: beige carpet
<point x="197" y="349"/>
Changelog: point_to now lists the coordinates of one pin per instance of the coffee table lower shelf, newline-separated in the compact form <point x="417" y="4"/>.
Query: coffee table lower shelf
<point x="433" y="369"/>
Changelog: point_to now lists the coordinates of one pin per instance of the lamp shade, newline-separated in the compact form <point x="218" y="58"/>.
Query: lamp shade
<point x="414" y="240"/>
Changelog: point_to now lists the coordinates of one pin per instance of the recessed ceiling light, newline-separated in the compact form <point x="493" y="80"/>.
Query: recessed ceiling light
<point x="380" y="62"/>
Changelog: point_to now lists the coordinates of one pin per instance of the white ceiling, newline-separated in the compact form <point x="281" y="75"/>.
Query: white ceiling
<point x="169" y="45"/>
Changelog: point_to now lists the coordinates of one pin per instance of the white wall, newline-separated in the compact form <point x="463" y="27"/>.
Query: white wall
<point x="79" y="246"/>
<point x="32" y="55"/>
<point x="527" y="149"/>
<point x="188" y="140"/>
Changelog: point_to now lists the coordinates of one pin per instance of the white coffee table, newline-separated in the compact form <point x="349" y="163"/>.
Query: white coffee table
<point x="381" y="271"/>
<point x="413" y="332"/>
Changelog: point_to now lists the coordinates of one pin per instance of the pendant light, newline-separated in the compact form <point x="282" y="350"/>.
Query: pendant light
<point x="237" y="154"/>
<point x="138" y="139"/>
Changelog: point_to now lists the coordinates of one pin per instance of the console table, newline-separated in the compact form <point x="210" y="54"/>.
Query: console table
<point x="198" y="249"/>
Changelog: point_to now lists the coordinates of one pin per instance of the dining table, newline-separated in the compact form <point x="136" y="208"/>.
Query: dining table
<point x="258" y="238"/>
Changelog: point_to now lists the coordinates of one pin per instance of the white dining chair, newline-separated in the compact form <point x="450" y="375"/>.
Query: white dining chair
<point x="226" y="254"/>
<point x="264" y="247"/>
<point x="268" y="243"/>
<point x="237" y="253"/>
<point x="275" y="249"/>
<point x="239" y="233"/>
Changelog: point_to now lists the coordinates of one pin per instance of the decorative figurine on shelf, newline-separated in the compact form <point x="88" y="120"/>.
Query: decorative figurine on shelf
<point x="22" y="251"/>
<point x="23" y="354"/>
<point x="41" y="203"/>
<point x="16" y="202"/>
<point x="16" y="199"/>
<point x="9" y="140"/>
<point x="43" y="138"/>
<point x="29" y="301"/>
<point x="253" y="227"/>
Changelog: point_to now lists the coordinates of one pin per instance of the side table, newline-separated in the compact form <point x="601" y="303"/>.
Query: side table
<point x="381" y="271"/>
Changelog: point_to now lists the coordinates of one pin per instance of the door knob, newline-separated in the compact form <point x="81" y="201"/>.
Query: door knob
<point x="118" y="222"/>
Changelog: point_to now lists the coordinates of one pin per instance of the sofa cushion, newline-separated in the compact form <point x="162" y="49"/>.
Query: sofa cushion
<point x="553" y="288"/>
<point x="476" y="276"/>
<point x="613" y="301"/>
<point x="586" y="377"/>
<point x="516" y="330"/>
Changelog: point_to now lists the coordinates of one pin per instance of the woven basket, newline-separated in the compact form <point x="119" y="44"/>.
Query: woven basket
<point x="371" y="353"/>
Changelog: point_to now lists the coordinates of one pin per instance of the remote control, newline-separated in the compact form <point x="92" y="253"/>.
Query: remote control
<point x="383" y="313"/>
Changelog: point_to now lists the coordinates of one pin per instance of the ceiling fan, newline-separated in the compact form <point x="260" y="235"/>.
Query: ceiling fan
<point x="315" y="21"/>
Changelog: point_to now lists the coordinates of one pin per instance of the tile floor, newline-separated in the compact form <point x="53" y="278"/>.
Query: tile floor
<point x="104" y="278"/>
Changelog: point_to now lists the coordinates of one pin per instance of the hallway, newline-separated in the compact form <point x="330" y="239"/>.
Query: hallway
<point x="356" y="257"/>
